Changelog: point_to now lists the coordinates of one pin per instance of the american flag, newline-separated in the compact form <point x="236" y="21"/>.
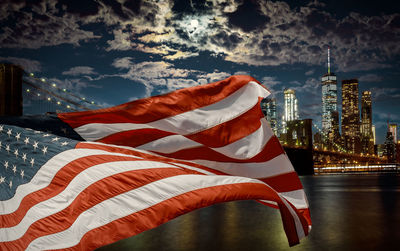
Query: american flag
<point x="142" y="164"/>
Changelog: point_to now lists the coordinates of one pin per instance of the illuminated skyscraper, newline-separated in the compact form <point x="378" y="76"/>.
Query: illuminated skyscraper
<point x="290" y="112"/>
<point x="389" y="147"/>
<point x="374" y="134"/>
<point x="268" y="105"/>
<point x="393" y="130"/>
<point x="350" y="116"/>
<point x="367" y="140"/>
<point x="329" y="100"/>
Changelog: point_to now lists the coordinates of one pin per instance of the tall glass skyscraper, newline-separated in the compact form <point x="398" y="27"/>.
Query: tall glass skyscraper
<point x="350" y="116"/>
<point x="290" y="109"/>
<point x="329" y="102"/>
<point x="367" y="138"/>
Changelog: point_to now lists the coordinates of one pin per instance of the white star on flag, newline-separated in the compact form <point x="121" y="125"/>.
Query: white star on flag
<point x="46" y="135"/>
<point x="64" y="143"/>
<point x="35" y="145"/>
<point x="18" y="136"/>
<point x="32" y="161"/>
<point x="8" y="148"/>
<point x="24" y="156"/>
<point x="55" y="139"/>
<point x="2" y="179"/>
<point x="16" y="153"/>
<point x="6" y="164"/>
<point x="26" y="141"/>
<point x="9" y="132"/>
<point x="22" y="173"/>
<point x="1" y="128"/>
<point x="44" y="150"/>
<point x="14" y="168"/>
<point x="10" y="184"/>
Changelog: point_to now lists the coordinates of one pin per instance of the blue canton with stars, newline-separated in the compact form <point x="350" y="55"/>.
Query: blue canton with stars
<point x="22" y="152"/>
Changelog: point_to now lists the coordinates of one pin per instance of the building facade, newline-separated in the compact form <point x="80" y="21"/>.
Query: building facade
<point x="389" y="148"/>
<point x="329" y="102"/>
<point x="367" y="137"/>
<point x="268" y="106"/>
<point x="393" y="130"/>
<point x="374" y="133"/>
<point x="299" y="133"/>
<point x="350" y="116"/>
<point x="290" y="108"/>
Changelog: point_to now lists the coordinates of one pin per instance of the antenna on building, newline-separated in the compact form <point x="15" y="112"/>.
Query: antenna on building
<point x="388" y="129"/>
<point x="329" y="61"/>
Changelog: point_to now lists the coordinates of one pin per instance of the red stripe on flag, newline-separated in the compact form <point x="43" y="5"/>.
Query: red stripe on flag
<point x="158" y="107"/>
<point x="284" y="182"/>
<point x="135" y="138"/>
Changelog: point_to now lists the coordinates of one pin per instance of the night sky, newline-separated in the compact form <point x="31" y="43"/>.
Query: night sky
<point x="116" y="51"/>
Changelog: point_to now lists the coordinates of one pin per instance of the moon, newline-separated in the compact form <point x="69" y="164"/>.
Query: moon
<point x="194" y="23"/>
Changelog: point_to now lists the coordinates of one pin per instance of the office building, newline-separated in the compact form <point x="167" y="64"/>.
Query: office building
<point x="350" y="116"/>
<point x="299" y="133"/>
<point x="290" y="108"/>
<point x="374" y="133"/>
<point x="268" y="106"/>
<point x="389" y="148"/>
<point x="329" y="100"/>
<point x="367" y="139"/>
<point x="393" y="130"/>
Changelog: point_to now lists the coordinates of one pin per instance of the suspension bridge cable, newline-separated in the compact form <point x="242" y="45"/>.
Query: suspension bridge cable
<point x="55" y="95"/>
<point x="62" y="89"/>
<point x="38" y="96"/>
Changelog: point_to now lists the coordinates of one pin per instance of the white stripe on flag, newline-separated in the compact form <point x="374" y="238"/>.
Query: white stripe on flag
<point x="249" y="146"/>
<point x="297" y="198"/>
<point x="257" y="170"/>
<point x="169" y="144"/>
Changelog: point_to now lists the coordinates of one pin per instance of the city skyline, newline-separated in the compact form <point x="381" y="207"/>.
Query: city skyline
<point x="114" y="52"/>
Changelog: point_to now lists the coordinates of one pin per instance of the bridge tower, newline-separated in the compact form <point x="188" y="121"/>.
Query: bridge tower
<point x="10" y="90"/>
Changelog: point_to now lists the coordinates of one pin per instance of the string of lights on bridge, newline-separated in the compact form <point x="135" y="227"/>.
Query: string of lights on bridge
<point x="55" y="98"/>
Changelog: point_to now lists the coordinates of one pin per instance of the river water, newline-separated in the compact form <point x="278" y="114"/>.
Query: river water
<point x="349" y="212"/>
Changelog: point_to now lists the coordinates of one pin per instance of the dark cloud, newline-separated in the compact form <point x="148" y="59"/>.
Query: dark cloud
<point x="134" y="6"/>
<point x="320" y="22"/>
<point x="314" y="49"/>
<point x="226" y="40"/>
<point x="37" y="23"/>
<point x="184" y="7"/>
<point x="75" y="7"/>
<point x="248" y="16"/>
